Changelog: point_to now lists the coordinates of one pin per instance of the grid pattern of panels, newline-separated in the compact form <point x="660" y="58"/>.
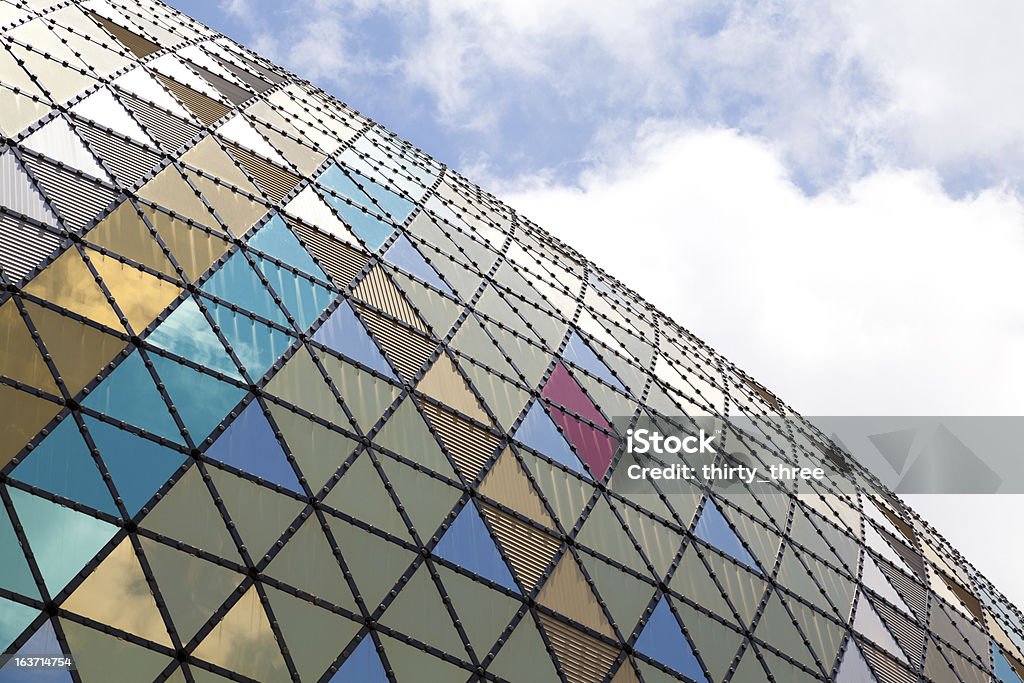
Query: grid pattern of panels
<point x="284" y="399"/>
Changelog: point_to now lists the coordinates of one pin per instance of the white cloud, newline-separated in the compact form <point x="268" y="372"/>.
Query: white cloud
<point x="884" y="297"/>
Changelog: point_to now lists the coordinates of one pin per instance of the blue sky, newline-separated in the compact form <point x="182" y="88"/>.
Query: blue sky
<point x="827" y="193"/>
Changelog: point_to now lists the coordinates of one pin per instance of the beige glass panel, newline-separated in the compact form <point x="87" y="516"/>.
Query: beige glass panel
<point x="236" y="211"/>
<point x="244" y="642"/>
<point x="419" y="612"/>
<point x="21" y="417"/>
<point x="411" y="663"/>
<point x="60" y="82"/>
<point x="524" y="656"/>
<point x="78" y="350"/>
<point x="299" y="382"/>
<point x="67" y="282"/>
<point x="194" y="249"/>
<point x="507" y="484"/>
<point x="261" y="515"/>
<point x="445" y="384"/>
<point x="187" y="513"/>
<point x="366" y="396"/>
<point x="314" y="636"/>
<point x="12" y="74"/>
<point x="307" y="562"/>
<point x="19" y="355"/>
<point x="117" y="594"/>
<point x="140" y="296"/>
<point x="169" y="190"/>
<point x="318" y="451"/>
<point x="18" y="111"/>
<point x="208" y="156"/>
<point x="102" y="657"/>
<point x="124" y="232"/>
<point x="566" y="591"/>
<point x="505" y="400"/>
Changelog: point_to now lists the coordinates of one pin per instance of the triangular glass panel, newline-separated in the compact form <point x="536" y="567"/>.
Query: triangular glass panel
<point x="373" y="231"/>
<point x="129" y="394"/>
<point x="260" y="514"/>
<point x="1002" y="669"/>
<point x="360" y="493"/>
<point x="539" y="433"/>
<point x="314" y="636"/>
<point x="524" y="656"/>
<point x="202" y="401"/>
<point x="43" y="642"/>
<point x="301" y="297"/>
<point x="873" y="578"/>
<point x="244" y="641"/>
<point x="137" y="466"/>
<point x="307" y="562"/>
<point x="853" y="668"/>
<point x="662" y="640"/>
<point x="58" y="141"/>
<point x="404" y="255"/>
<point x="20" y="195"/>
<point x="257" y="346"/>
<point x="317" y="450"/>
<point x="362" y="666"/>
<point x="370" y="396"/>
<point x="62" y="540"/>
<point x="867" y="622"/>
<point x="15" y="574"/>
<point x="712" y="528"/>
<point x="62" y="464"/>
<point x="16" y="619"/>
<point x="101" y="656"/>
<point x="406" y="434"/>
<point x="187" y="333"/>
<point x="581" y="355"/>
<point x="420" y="612"/>
<point x="237" y="283"/>
<point x="275" y="240"/>
<point x="310" y="207"/>
<point x="342" y="332"/>
<point x="376" y="564"/>
<point x="103" y="108"/>
<point x="468" y="544"/>
<point x="250" y="445"/>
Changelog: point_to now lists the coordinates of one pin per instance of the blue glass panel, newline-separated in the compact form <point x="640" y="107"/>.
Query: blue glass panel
<point x="663" y="640"/>
<point x="303" y="298"/>
<point x="712" y="528"/>
<point x="468" y="543"/>
<point x="580" y="354"/>
<point x="42" y="642"/>
<point x="62" y="540"/>
<point x="404" y="255"/>
<point x="238" y="283"/>
<point x="249" y="444"/>
<point x="275" y="239"/>
<point x="202" y="400"/>
<point x="256" y="345"/>
<point x="342" y="332"/>
<point x="15" y="574"/>
<point x="340" y="183"/>
<point x="137" y="466"/>
<point x="188" y="334"/>
<point x="1002" y="669"/>
<point x="396" y="207"/>
<point x="14" y="618"/>
<point x="129" y="394"/>
<point x="369" y="228"/>
<point x="362" y="666"/>
<point x="62" y="464"/>
<point x="539" y="433"/>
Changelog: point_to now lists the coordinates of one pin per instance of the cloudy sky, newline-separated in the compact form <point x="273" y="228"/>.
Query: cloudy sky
<point x="830" y="194"/>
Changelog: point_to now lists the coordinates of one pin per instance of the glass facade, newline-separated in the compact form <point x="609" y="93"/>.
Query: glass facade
<point x="282" y="398"/>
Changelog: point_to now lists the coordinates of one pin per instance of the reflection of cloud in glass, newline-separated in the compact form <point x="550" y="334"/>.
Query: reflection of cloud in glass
<point x="187" y="333"/>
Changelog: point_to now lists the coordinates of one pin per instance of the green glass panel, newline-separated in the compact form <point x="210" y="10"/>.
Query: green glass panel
<point x="795" y="577"/>
<point x="716" y="643"/>
<point x="524" y="657"/>
<point x="412" y="664"/>
<point x="823" y="634"/>
<point x="783" y="670"/>
<point x="531" y="360"/>
<point x="691" y="579"/>
<point x="319" y="451"/>
<point x="419" y="612"/>
<point x="192" y="588"/>
<point x="260" y="514"/>
<point x="375" y="564"/>
<point x="102" y="657"/>
<point x="187" y="513"/>
<point x="61" y="540"/>
<point x="15" y="574"/>
<point x="427" y="501"/>
<point x="484" y="613"/>
<point x="659" y="543"/>
<point x="762" y="542"/>
<point x="407" y="434"/>
<point x="365" y="395"/>
<point x="626" y="596"/>
<point x="14" y="619"/>
<point x="603" y="532"/>
<point x="472" y="340"/>
<point x="439" y="311"/>
<point x="314" y="636"/>
<point x="776" y="628"/>
<point x="300" y="383"/>
<point x="361" y="494"/>
<point x="307" y="562"/>
<point x="749" y="669"/>
<point x="838" y="589"/>
<point x="505" y="400"/>
<point x="744" y="588"/>
<point x="566" y="494"/>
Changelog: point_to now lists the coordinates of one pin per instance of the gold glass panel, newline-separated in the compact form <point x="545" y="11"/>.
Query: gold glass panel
<point x="117" y="594"/>
<point x="236" y="211"/>
<point x="19" y="355"/>
<point x="169" y="190"/>
<point x="67" y="282"/>
<point x="60" y="82"/>
<point x="21" y="417"/>
<point x="208" y="156"/>
<point x="194" y="249"/>
<point x="140" y="296"/>
<point x="507" y="484"/>
<point x="18" y="111"/>
<point x="244" y="642"/>
<point x="445" y="384"/>
<point x="123" y="232"/>
<point x="78" y="350"/>
<point x="566" y="591"/>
